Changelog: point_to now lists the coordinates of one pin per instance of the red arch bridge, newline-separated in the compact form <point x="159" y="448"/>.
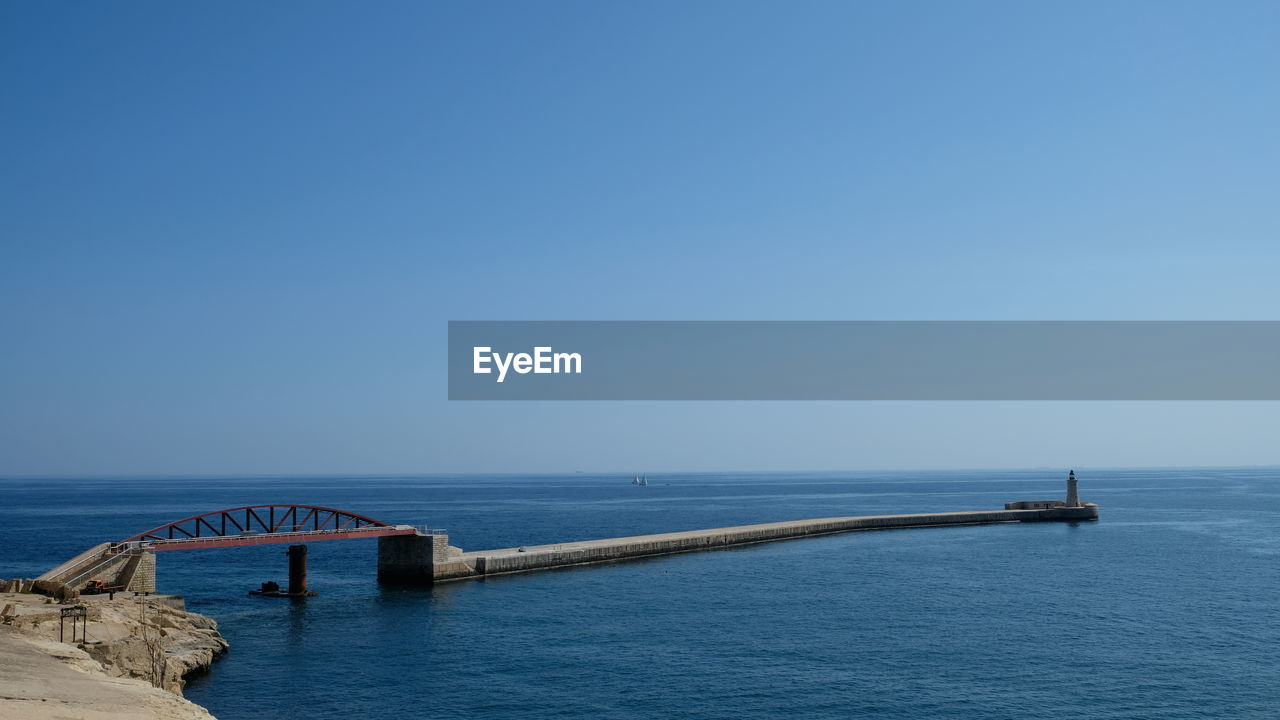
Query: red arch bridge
<point x="263" y="525"/>
<point x="406" y="553"/>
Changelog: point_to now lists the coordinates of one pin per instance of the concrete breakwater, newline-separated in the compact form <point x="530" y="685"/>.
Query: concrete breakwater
<point x="417" y="555"/>
<point x="430" y="558"/>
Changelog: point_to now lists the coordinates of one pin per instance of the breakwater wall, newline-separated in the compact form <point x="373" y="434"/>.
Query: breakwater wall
<point x="451" y="563"/>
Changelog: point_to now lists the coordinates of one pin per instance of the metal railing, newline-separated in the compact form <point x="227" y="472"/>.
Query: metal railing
<point x="425" y="530"/>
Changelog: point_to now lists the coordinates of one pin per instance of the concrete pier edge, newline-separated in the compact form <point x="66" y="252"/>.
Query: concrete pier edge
<point x="448" y="563"/>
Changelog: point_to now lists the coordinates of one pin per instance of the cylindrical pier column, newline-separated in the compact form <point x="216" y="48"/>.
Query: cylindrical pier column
<point x="297" y="569"/>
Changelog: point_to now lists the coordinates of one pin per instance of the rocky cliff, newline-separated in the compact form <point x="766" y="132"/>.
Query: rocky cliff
<point x="137" y="649"/>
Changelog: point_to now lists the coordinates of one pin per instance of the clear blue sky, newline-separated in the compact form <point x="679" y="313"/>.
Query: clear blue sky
<point x="232" y="233"/>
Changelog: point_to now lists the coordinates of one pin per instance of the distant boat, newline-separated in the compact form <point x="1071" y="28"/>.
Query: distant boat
<point x="640" y="480"/>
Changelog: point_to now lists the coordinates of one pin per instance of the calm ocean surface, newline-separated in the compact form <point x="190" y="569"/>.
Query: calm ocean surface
<point x="1165" y="608"/>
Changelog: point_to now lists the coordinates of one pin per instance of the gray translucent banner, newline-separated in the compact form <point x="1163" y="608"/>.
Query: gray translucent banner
<point x="713" y="360"/>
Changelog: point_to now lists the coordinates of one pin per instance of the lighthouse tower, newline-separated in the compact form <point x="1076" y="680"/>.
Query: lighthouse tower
<point x="1073" y="495"/>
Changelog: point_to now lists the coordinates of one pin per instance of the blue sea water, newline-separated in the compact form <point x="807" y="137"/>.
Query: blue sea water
<point x="1164" y="608"/>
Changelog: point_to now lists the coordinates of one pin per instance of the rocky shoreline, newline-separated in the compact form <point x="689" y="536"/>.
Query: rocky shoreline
<point x="132" y="664"/>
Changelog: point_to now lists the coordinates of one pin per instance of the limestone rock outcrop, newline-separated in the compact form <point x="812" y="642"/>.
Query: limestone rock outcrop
<point x="48" y="680"/>
<point x="138" y="648"/>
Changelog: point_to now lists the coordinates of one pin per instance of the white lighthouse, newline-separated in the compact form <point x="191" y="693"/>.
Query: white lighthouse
<point x="1073" y="495"/>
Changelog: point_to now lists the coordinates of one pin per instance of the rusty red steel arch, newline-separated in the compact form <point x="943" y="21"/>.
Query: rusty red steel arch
<point x="263" y="524"/>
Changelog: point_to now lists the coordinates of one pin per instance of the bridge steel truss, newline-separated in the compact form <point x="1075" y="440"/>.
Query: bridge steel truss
<point x="261" y="525"/>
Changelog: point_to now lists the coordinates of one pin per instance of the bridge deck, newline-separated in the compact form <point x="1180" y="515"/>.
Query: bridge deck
<point x="199" y="543"/>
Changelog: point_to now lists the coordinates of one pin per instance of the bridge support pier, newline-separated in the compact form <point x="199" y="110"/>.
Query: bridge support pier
<point x="297" y="569"/>
<point x="410" y="559"/>
<point x="144" y="576"/>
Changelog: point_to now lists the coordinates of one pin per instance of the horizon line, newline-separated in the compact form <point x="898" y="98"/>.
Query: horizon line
<point x="571" y="473"/>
